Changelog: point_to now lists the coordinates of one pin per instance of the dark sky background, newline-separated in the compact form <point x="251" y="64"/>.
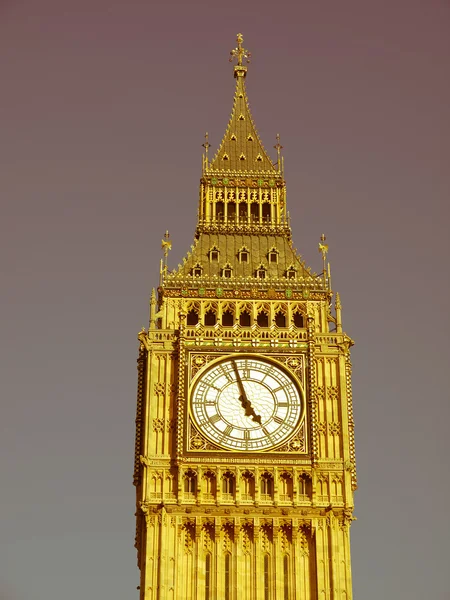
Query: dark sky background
<point x="103" y="108"/>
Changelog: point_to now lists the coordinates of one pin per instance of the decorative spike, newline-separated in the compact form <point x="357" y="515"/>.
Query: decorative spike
<point x="240" y="52"/>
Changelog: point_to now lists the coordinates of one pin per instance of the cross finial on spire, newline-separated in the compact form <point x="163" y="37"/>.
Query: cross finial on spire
<point x="240" y="52"/>
<point x="206" y="145"/>
<point x="278" y="147"/>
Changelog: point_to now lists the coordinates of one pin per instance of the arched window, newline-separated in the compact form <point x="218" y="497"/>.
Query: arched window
<point x="231" y="211"/>
<point x="190" y="483"/>
<point x="210" y="318"/>
<point x="227" y="577"/>
<point x="304" y="485"/>
<point x="209" y="485"/>
<point x="266" y="212"/>
<point x="286" y="576"/>
<point x="248" y="487"/>
<point x="220" y="211"/>
<point x="208" y="577"/>
<point x="227" y="318"/>
<point x="286" y="487"/>
<point x="227" y="271"/>
<point x="197" y="271"/>
<point x="263" y="319"/>
<point x="272" y="255"/>
<point x="214" y="254"/>
<point x="261" y="272"/>
<point x="192" y="317"/>
<point x="266" y="577"/>
<point x="243" y="255"/>
<point x="228" y="484"/>
<point x="244" y="319"/>
<point x="280" y="319"/>
<point x="299" y="320"/>
<point x="243" y="210"/>
<point x="266" y="487"/>
<point x="254" y="212"/>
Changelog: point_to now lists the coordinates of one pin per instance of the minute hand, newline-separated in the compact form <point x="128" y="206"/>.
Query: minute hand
<point x="247" y="405"/>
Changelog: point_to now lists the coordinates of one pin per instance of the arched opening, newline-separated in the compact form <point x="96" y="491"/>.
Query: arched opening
<point x="231" y="211"/>
<point x="228" y="484"/>
<point x="305" y="486"/>
<point x="243" y="210"/>
<point x="263" y="319"/>
<point x="209" y="486"/>
<point x="210" y="318"/>
<point x="190" y="483"/>
<point x="286" y="487"/>
<point x="266" y="487"/>
<point x="286" y="576"/>
<point x="266" y="212"/>
<point x="261" y="273"/>
<point x="220" y="211"/>
<point x="244" y="319"/>
<point x="227" y="577"/>
<point x="248" y="487"/>
<point x="266" y="577"/>
<point x="208" y="576"/>
<point x="299" y="320"/>
<point x="227" y="318"/>
<point x="280" y="319"/>
<point x="192" y="317"/>
<point x="254" y="212"/>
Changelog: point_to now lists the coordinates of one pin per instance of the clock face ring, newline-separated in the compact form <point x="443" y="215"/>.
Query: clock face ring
<point x="246" y="403"/>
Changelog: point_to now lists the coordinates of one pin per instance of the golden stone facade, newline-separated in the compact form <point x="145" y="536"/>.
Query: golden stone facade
<point x="245" y="459"/>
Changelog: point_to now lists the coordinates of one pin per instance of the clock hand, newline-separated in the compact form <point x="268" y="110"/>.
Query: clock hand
<point x="246" y="404"/>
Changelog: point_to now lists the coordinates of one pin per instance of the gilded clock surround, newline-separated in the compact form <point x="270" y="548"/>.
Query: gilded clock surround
<point x="220" y="524"/>
<point x="250" y="362"/>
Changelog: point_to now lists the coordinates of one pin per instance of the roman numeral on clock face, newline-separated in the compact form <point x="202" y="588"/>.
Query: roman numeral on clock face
<point x="214" y="419"/>
<point x="278" y="420"/>
<point x="228" y="430"/>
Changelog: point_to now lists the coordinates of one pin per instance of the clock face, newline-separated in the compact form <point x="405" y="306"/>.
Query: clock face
<point x="246" y="404"/>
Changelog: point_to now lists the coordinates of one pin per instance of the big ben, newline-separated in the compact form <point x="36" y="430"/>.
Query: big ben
<point x="245" y="459"/>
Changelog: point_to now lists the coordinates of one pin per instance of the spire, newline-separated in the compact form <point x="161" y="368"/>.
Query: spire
<point x="241" y="149"/>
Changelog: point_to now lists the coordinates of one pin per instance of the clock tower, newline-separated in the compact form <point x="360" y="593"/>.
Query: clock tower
<point x="245" y="459"/>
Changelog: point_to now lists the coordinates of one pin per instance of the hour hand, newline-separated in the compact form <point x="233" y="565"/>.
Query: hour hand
<point x="246" y="404"/>
<point x="249" y="410"/>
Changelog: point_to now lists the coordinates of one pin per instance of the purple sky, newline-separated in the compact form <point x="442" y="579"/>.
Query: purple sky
<point x="103" y="108"/>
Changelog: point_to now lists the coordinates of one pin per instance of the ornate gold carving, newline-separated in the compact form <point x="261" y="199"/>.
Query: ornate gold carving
<point x="188" y="536"/>
<point x="320" y="393"/>
<point x="171" y="425"/>
<point x="285" y="536"/>
<point x="303" y="543"/>
<point x="208" y="536"/>
<point x="198" y="361"/>
<point x="198" y="442"/>
<point x="266" y="537"/>
<point x="296" y="443"/>
<point x="159" y="388"/>
<point x="322" y="427"/>
<point x="335" y="428"/>
<point x="333" y="392"/>
<point x="139" y="408"/>
<point x="158" y="425"/>
<point x="227" y="536"/>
